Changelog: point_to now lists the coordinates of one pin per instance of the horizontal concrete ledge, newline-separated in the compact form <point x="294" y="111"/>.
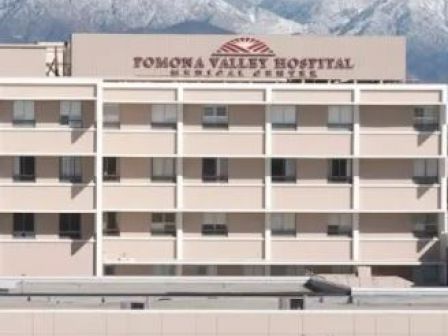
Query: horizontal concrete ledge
<point x="402" y="292"/>
<point x="155" y="286"/>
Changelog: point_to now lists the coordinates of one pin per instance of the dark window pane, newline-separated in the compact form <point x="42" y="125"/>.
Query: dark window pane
<point x="170" y="218"/>
<point x="70" y="226"/>
<point x="278" y="167"/>
<point x="209" y="167"/>
<point x="157" y="217"/>
<point x="110" y="171"/>
<point x="23" y="225"/>
<point x="28" y="165"/>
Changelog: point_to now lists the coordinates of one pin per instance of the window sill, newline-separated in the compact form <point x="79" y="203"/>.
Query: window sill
<point x="71" y="181"/>
<point x="215" y="180"/>
<point x="214" y="126"/>
<point x="168" y="179"/>
<point x="286" y="127"/>
<point x="340" y="180"/>
<point x="425" y="181"/>
<point x="111" y="178"/>
<point x="169" y="126"/>
<point x="24" y="179"/>
<point x="283" y="181"/>
<point x="16" y="237"/>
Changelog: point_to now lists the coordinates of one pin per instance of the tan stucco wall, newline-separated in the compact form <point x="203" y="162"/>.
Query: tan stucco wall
<point x="220" y="323"/>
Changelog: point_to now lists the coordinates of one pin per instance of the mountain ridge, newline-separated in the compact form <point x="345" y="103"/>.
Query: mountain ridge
<point x="423" y="22"/>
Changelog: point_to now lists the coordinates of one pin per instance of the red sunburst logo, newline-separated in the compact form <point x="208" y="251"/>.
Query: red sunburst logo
<point x="244" y="46"/>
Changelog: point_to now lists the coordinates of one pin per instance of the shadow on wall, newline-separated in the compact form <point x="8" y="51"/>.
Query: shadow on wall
<point x="423" y="137"/>
<point x="428" y="250"/>
<point x="77" y="133"/>
<point x="423" y="189"/>
<point x="77" y="189"/>
<point x="77" y="245"/>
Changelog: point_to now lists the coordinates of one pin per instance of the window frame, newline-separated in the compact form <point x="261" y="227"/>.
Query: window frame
<point x="214" y="120"/>
<point x="214" y="224"/>
<point x="70" y="113"/>
<point x="108" y="218"/>
<point x="107" y="177"/>
<point x="110" y="109"/>
<point x="340" y="178"/>
<point x="425" y="225"/>
<point x="424" y="165"/>
<point x="221" y="168"/>
<point x="169" y="176"/>
<point x="279" y="116"/>
<point x="426" y="123"/>
<point x="20" y="117"/>
<point x="18" y="169"/>
<point x="165" y="110"/>
<point x="337" y="117"/>
<point x="73" y="221"/>
<point x="165" y="226"/>
<point x="20" y="229"/>
<point x="286" y="177"/>
<point x="284" y="229"/>
<point x="74" y="175"/>
<point x="339" y="224"/>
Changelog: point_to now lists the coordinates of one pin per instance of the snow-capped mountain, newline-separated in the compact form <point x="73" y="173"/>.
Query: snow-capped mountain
<point x="424" y="22"/>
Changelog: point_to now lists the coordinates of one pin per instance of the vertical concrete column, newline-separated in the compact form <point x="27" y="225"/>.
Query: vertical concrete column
<point x="443" y="217"/>
<point x="267" y="174"/>
<point x="99" y="181"/>
<point x="355" y="172"/>
<point x="179" y="173"/>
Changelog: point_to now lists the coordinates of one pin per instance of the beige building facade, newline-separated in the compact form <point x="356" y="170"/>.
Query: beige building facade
<point x="260" y="156"/>
<point x="270" y="323"/>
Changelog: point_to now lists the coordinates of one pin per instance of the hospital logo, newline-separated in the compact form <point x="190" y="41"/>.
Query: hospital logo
<point x="244" y="46"/>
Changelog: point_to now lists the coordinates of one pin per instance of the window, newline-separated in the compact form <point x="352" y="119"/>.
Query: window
<point x="111" y="115"/>
<point x="426" y="118"/>
<point x="340" y="170"/>
<point x="110" y="169"/>
<point x="197" y="270"/>
<point x="163" y="169"/>
<point x="426" y="275"/>
<point x="137" y="305"/>
<point x="110" y="224"/>
<point x="283" y="170"/>
<point x="214" y="224"/>
<point x="70" y="169"/>
<point x="215" y="116"/>
<point x="71" y="113"/>
<point x="283" y="224"/>
<point x="340" y="117"/>
<point x="162" y="270"/>
<point x="24" y="168"/>
<point x="426" y="171"/>
<point x="23" y="113"/>
<point x="164" y="115"/>
<point x="163" y="224"/>
<point x="215" y="170"/>
<point x="425" y="225"/>
<point x="23" y="225"/>
<point x="109" y="270"/>
<point x="283" y="116"/>
<point x="339" y="225"/>
<point x="70" y="226"/>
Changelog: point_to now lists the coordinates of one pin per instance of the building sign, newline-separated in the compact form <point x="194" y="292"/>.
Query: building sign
<point x="243" y="57"/>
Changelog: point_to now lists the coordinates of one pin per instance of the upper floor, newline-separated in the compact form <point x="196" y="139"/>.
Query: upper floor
<point x="229" y="120"/>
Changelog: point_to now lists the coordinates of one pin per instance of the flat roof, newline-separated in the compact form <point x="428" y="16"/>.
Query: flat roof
<point x="199" y="293"/>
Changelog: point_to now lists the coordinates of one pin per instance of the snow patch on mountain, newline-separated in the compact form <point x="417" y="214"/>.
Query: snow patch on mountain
<point x="423" y="22"/>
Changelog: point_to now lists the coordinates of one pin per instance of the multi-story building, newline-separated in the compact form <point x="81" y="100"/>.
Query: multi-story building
<point x="214" y="155"/>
